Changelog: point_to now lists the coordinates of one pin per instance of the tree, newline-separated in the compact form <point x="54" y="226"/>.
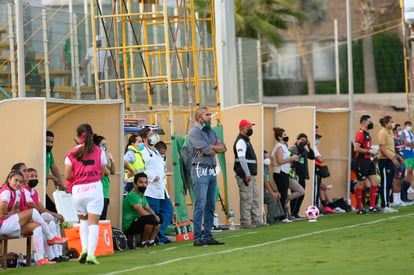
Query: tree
<point x="367" y="14"/>
<point x="316" y="12"/>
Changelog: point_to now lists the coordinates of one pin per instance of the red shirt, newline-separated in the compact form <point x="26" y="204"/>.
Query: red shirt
<point x="363" y="138"/>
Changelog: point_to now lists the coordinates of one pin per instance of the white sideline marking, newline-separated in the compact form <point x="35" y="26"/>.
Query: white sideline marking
<point x="257" y="245"/>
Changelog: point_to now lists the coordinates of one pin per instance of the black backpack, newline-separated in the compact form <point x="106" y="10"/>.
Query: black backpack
<point x="119" y="239"/>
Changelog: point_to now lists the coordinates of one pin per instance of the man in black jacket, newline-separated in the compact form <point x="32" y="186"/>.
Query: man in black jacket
<point x="300" y="168"/>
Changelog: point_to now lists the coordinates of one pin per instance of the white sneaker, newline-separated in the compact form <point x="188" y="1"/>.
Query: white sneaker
<point x="389" y="210"/>
<point x="286" y="220"/>
<point x="410" y="190"/>
<point x="339" y="210"/>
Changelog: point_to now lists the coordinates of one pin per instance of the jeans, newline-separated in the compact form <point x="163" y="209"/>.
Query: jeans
<point x="205" y="185"/>
<point x="164" y="208"/>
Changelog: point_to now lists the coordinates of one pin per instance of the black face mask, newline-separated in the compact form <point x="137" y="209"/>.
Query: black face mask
<point x="285" y="139"/>
<point x="302" y="144"/>
<point x="370" y="126"/>
<point x="142" y="189"/>
<point x="249" y="132"/>
<point x="48" y="148"/>
<point x="33" y="183"/>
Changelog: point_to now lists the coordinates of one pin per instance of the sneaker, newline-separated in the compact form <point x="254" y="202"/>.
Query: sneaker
<point x="389" y="210"/>
<point x="91" y="260"/>
<point x="64" y="259"/>
<point x="200" y="242"/>
<point x="148" y="244"/>
<point x="339" y="210"/>
<point x="44" y="262"/>
<point x="299" y="217"/>
<point x="57" y="240"/>
<point x="373" y="210"/>
<point x="213" y="242"/>
<point x="361" y="212"/>
<point x="327" y="209"/>
<point x="83" y="255"/>
<point x="286" y="220"/>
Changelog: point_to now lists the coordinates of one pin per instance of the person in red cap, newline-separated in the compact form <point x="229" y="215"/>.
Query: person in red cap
<point x="245" y="167"/>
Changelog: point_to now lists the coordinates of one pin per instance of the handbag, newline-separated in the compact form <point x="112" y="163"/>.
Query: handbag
<point x="324" y="171"/>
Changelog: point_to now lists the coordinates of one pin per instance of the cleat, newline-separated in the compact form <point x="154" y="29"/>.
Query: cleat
<point x="91" y="260"/>
<point x="44" y="262"/>
<point x="374" y="210"/>
<point x="390" y="210"/>
<point x="327" y="209"/>
<point x="361" y="212"/>
<point x="82" y="258"/>
<point x="57" y="240"/>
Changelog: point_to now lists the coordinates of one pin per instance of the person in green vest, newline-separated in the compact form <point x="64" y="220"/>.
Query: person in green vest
<point x="110" y="170"/>
<point x="133" y="161"/>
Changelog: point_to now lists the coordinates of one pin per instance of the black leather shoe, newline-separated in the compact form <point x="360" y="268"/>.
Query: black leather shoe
<point x="199" y="242"/>
<point x="214" y="242"/>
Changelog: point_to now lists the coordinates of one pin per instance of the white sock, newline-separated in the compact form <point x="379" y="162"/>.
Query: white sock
<point x="50" y="252"/>
<point x="57" y="248"/>
<point x="84" y="234"/>
<point x="396" y="197"/>
<point x="38" y="243"/>
<point x="37" y="218"/>
<point x="93" y="239"/>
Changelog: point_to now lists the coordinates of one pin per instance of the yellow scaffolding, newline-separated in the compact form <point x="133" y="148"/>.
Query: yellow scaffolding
<point x="129" y="32"/>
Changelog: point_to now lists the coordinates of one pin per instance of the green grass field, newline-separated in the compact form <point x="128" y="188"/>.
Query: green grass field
<point x="340" y="243"/>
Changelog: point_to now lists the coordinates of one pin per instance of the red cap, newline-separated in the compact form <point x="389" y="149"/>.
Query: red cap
<point x="245" y="123"/>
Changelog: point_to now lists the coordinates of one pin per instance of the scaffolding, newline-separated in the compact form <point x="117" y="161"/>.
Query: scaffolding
<point x="145" y="41"/>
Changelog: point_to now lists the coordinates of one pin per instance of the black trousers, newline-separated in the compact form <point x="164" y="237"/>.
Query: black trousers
<point x="104" y="210"/>
<point x="386" y="168"/>
<point x="282" y="182"/>
<point x="50" y="205"/>
<point x="295" y="204"/>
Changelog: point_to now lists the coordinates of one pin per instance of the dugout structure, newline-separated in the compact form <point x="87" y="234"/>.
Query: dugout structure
<point x="25" y="121"/>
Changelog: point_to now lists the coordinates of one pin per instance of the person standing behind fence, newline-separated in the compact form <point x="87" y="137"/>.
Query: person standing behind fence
<point x="281" y="171"/>
<point x="387" y="161"/>
<point x="84" y="166"/>
<point x="109" y="170"/>
<point x="204" y="145"/>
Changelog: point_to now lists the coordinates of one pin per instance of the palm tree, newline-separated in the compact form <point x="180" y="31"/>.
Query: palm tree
<point x="367" y="14"/>
<point x="316" y="12"/>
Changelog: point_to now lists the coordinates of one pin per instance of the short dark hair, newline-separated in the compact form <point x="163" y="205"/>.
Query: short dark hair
<point x="139" y="175"/>
<point x="49" y="134"/>
<point x="407" y="122"/>
<point x="364" y="118"/>
<point x="302" y="135"/>
<point x="160" y="145"/>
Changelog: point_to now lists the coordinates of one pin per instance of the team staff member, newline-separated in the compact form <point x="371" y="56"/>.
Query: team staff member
<point x="204" y="145"/>
<point x="245" y="167"/>
<point x="365" y="168"/>
<point x="83" y="169"/>
<point x="387" y="161"/>
<point x="400" y="171"/>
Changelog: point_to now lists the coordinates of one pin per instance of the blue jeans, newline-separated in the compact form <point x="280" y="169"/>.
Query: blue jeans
<point x="204" y="203"/>
<point x="164" y="208"/>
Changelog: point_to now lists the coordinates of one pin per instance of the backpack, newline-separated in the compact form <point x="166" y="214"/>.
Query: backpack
<point x="119" y="239"/>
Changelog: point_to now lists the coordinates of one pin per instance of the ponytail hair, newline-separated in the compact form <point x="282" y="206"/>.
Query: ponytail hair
<point x="12" y="173"/>
<point x="85" y="136"/>
<point x="383" y="121"/>
<point x="132" y="139"/>
<point x="97" y="139"/>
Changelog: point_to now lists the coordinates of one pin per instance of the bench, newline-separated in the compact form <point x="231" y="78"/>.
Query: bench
<point x="3" y="244"/>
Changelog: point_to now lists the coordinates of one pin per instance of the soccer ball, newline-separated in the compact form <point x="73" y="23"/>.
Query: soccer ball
<point x="312" y="212"/>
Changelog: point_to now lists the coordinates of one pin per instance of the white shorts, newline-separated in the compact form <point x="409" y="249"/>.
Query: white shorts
<point x="88" y="198"/>
<point x="11" y="227"/>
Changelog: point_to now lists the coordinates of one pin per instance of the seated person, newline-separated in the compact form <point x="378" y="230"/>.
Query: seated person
<point x="271" y="195"/>
<point x="30" y="199"/>
<point x="137" y="216"/>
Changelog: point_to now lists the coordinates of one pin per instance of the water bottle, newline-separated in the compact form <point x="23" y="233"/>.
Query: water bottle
<point x="231" y="219"/>
<point x="32" y="259"/>
<point x="20" y="260"/>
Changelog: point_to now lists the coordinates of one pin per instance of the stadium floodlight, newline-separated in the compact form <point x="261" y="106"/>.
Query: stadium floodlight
<point x="409" y="12"/>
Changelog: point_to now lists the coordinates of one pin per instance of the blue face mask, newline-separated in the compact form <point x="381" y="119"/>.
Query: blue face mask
<point x="141" y="146"/>
<point x="153" y="140"/>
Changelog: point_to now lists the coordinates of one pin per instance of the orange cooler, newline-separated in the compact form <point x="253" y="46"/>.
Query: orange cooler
<point x="104" y="247"/>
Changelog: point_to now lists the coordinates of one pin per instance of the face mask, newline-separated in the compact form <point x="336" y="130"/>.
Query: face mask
<point x="400" y="132"/>
<point x="409" y="128"/>
<point x="48" y="148"/>
<point x="153" y="140"/>
<point x="249" y="132"/>
<point x="141" y="146"/>
<point x="317" y="142"/>
<point x="142" y="189"/>
<point x="266" y="161"/>
<point x="206" y="124"/>
<point x="285" y="139"/>
<point x="370" y="126"/>
<point x="391" y="125"/>
<point x="302" y="144"/>
<point x="33" y="183"/>
<point x="104" y="148"/>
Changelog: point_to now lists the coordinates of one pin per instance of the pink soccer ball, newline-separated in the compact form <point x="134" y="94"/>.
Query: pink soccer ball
<point x="312" y="212"/>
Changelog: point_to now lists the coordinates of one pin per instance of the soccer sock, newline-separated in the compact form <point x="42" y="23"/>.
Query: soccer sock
<point x="396" y="197"/>
<point x="358" y="194"/>
<point x="324" y="203"/>
<point x="38" y="243"/>
<point x="373" y="196"/>
<point x="84" y="233"/>
<point x="37" y="218"/>
<point x="93" y="239"/>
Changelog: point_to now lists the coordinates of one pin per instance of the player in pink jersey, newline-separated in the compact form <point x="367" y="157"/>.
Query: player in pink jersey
<point x="83" y="169"/>
<point x="15" y="224"/>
